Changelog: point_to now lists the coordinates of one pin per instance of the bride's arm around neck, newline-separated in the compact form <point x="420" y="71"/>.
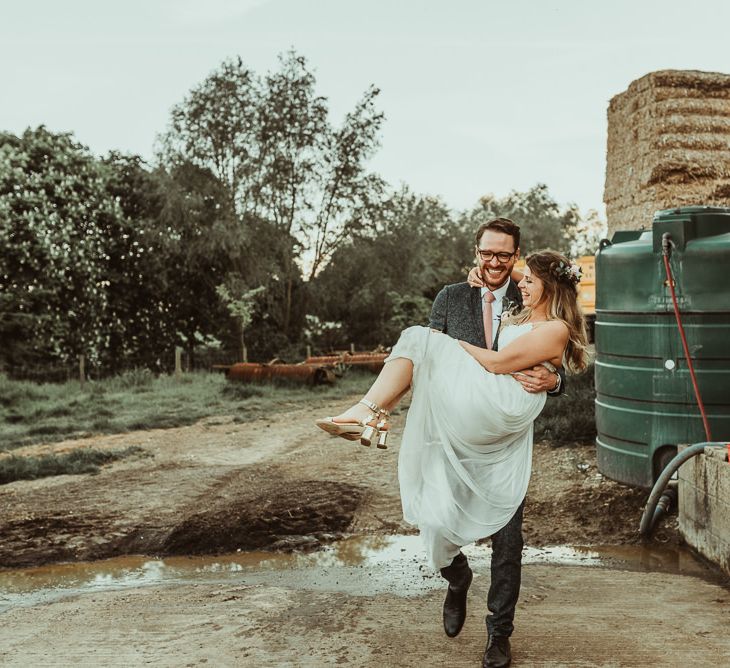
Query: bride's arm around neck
<point x="544" y="343"/>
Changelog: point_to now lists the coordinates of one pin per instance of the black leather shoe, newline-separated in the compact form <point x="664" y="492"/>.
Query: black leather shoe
<point x="455" y="605"/>
<point x="498" y="653"/>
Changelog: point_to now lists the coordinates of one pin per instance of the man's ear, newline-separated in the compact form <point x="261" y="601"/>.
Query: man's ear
<point x="517" y="254"/>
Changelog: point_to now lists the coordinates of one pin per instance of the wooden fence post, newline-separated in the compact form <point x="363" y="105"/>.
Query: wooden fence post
<point x="352" y="348"/>
<point x="82" y="369"/>
<point x="309" y="351"/>
<point x="178" y="362"/>
<point x="245" y="353"/>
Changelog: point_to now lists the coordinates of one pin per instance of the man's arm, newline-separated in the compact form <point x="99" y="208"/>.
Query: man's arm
<point x="438" y="311"/>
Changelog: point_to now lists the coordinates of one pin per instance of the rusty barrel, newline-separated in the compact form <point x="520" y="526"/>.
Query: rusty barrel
<point x="251" y="372"/>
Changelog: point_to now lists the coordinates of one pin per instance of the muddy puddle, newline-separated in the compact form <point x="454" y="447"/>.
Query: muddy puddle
<point x="360" y="566"/>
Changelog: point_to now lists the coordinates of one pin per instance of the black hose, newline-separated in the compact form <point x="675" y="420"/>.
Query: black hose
<point x="647" y="519"/>
<point x="667" y="501"/>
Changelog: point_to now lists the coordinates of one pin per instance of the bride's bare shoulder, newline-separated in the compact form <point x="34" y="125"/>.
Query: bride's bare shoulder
<point x="552" y="327"/>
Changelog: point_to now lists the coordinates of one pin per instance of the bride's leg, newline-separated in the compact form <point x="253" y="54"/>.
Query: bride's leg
<point x="390" y="406"/>
<point x="390" y="385"/>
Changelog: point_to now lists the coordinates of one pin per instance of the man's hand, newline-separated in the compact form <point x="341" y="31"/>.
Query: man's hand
<point x="537" y="379"/>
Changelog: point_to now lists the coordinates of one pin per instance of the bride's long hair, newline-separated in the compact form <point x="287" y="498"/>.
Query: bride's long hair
<point x="560" y="289"/>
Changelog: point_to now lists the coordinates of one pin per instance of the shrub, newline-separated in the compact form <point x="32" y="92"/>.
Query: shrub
<point x="571" y="417"/>
<point x="134" y="379"/>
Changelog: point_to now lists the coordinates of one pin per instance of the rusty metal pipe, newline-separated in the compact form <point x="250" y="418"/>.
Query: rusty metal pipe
<point x="249" y="372"/>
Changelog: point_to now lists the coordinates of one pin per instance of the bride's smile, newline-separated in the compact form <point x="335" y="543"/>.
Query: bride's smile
<point x="531" y="288"/>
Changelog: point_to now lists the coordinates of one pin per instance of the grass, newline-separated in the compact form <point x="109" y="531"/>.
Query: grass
<point x="570" y="418"/>
<point x="42" y="413"/>
<point x="85" y="460"/>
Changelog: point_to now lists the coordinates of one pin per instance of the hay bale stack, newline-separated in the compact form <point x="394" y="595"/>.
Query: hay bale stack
<point x="668" y="146"/>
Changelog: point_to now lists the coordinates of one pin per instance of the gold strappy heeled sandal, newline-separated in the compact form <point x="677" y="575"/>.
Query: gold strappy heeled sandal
<point x="362" y="430"/>
<point x="379" y="430"/>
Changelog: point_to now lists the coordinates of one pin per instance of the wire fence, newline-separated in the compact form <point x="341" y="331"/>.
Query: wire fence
<point x="36" y="368"/>
<point x="83" y="368"/>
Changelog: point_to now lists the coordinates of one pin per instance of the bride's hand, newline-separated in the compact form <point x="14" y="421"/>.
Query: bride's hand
<point x="474" y="279"/>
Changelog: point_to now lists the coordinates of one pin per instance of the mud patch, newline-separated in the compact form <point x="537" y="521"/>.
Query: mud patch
<point x="171" y="510"/>
<point x="592" y="515"/>
<point x="53" y="535"/>
<point x="276" y="484"/>
<point x="282" y="515"/>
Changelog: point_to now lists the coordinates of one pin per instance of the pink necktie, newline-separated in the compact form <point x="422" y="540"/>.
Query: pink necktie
<point x="487" y="314"/>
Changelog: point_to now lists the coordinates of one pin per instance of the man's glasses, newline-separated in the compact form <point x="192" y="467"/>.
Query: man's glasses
<point x="487" y="256"/>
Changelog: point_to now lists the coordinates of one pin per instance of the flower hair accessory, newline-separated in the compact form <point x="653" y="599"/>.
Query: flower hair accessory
<point x="569" y="272"/>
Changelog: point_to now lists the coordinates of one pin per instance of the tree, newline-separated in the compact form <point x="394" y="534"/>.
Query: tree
<point x="217" y="128"/>
<point x="241" y="307"/>
<point x="54" y="208"/>
<point x="587" y="234"/>
<point x="379" y="282"/>
<point x="139" y="274"/>
<point x="542" y="223"/>
<point x="204" y="244"/>
<point x="271" y="146"/>
<point x="350" y="195"/>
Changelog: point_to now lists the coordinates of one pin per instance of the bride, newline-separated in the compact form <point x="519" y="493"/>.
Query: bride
<point x="465" y="457"/>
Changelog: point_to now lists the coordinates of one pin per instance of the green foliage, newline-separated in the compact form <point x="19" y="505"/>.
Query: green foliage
<point x="84" y="460"/>
<point x="570" y="418"/>
<point x="376" y="283"/>
<point x="587" y="235"/>
<point x="89" y="264"/>
<point x="122" y="262"/>
<point x="140" y="322"/>
<point x="269" y="143"/>
<point x="542" y="222"/>
<point x="54" y="212"/>
<point x="240" y="306"/>
<point x="323" y="336"/>
<point x="404" y="311"/>
<point x="204" y="242"/>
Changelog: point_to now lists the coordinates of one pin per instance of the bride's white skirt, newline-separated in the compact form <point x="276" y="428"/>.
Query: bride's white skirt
<point x="465" y="457"/>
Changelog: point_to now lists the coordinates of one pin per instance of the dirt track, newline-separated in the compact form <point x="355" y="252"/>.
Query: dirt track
<point x="220" y="486"/>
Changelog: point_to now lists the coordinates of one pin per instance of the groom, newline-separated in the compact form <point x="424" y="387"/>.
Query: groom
<point x="474" y="315"/>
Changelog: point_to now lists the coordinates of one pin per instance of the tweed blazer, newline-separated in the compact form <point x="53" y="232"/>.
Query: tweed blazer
<point x="457" y="311"/>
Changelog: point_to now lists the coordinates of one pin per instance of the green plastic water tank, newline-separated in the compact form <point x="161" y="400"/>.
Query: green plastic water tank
<point x="645" y="404"/>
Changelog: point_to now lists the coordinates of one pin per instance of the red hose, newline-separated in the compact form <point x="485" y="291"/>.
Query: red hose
<point x="670" y="281"/>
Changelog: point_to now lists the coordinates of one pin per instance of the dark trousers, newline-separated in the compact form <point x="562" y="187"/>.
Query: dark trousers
<point x="506" y="576"/>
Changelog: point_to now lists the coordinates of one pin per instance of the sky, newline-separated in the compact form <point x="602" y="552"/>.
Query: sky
<point x="480" y="97"/>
